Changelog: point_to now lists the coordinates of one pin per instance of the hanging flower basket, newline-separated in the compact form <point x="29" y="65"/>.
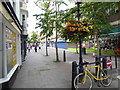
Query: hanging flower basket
<point x="72" y="30"/>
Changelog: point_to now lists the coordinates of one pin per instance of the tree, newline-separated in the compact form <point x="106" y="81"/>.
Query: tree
<point x="29" y="40"/>
<point x="58" y="23"/>
<point x="51" y="19"/>
<point x="34" y="37"/>
<point x="96" y="12"/>
<point x="45" y="21"/>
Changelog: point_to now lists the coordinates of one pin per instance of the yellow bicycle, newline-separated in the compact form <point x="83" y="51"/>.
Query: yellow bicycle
<point x="83" y="80"/>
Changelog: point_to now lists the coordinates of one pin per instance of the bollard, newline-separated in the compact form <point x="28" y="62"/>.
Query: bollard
<point x="74" y="73"/>
<point x="64" y="56"/>
<point x="116" y="62"/>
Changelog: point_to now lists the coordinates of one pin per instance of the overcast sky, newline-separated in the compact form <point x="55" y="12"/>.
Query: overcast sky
<point x="33" y="9"/>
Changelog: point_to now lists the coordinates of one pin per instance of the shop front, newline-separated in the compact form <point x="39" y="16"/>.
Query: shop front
<point x="10" y="46"/>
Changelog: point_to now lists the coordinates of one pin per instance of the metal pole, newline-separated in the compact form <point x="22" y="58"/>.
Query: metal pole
<point x="116" y="62"/>
<point x="80" y="41"/>
<point x="80" y="54"/>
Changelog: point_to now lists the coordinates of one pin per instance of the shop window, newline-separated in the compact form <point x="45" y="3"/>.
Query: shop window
<point x="10" y="49"/>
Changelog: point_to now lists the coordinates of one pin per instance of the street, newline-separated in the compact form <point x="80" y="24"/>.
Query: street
<point x="39" y="71"/>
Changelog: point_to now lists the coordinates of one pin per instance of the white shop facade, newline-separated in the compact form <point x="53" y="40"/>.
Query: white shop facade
<point x="10" y="44"/>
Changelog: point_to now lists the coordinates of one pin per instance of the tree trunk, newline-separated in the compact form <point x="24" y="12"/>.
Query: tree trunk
<point x="46" y="47"/>
<point x="57" y="56"/>
<point x="98" y="45"/>
<point x="76" y="48"/>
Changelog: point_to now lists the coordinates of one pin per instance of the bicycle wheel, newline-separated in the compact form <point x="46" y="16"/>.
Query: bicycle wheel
<point x="82" y="81"/>
<point x="106" y="82"/>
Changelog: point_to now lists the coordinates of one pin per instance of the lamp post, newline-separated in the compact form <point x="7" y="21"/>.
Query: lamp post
<point x="80" y="41"/>
<point x="74" y="63"/>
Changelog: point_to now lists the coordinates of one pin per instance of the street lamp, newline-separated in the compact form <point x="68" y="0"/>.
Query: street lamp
<point x="80" y="41"/>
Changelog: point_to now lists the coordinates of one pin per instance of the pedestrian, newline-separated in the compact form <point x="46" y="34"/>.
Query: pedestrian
<point x="31" y="47"/>
<point x="39" y="46"/>
<point x="28" y="48"/>
<point x="35" y="48"/>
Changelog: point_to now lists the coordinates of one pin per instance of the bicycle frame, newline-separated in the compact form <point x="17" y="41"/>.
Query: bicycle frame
<point x="96" y="77"/>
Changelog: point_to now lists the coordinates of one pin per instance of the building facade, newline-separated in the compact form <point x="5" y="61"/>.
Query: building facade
<point x="23" y="22"/>
<point x="11" y="30"/>
<point x="112" y="40"/>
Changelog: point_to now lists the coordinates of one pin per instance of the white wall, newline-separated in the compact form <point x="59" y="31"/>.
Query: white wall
<point x="24" y="13"/>
<point x="18" y="9"/>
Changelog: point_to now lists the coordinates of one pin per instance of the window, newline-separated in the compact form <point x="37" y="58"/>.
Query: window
<point x="11" y="49"/>
<point x="23" y="17"/>
<point x="21" y="4"/>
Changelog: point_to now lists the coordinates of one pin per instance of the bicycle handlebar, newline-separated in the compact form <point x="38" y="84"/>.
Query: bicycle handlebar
<point x="87" y="63"/>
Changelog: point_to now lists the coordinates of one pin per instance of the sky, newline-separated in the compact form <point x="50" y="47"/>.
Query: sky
<point x="33" y="9"/>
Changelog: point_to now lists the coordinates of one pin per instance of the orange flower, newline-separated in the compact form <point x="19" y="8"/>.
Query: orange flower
<point x="73" y="28"/>
<point x="68" y="24"/>
<point x="79" y="29"/>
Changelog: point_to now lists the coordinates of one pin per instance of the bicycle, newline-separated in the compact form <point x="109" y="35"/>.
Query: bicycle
<point x="83" y="80"/>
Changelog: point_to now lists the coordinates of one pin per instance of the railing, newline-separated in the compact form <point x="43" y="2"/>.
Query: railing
<point x="113" y="58"/>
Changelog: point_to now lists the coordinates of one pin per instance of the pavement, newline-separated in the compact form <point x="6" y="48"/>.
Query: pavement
<point x="40" y="71"/>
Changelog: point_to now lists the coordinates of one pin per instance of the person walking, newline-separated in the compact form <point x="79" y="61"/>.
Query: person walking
<point x="39" y="46"/>
<point x="35" y="48"/>
<point x="28" y="48"/>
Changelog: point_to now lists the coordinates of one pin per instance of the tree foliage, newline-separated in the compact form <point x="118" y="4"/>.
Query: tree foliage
<point x="50" y="19"/>
<point x="92" y="12"/>
<point x="34" y="37"/>
<point x="45" y="20"/>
